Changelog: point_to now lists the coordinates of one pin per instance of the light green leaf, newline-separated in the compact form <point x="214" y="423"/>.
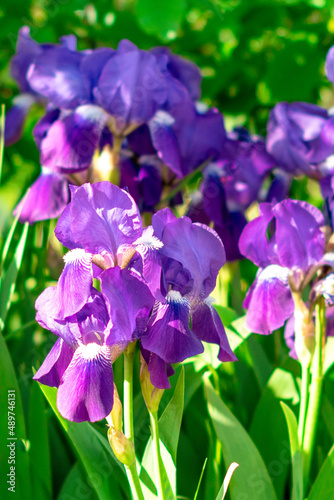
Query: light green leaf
<point x="296" y="454"/>
<point x="323" y="488"/>
<point x="162" y="19"/>
<point x="95" y="460"/>
<point x="223" y="490"/>
<point x="8" y="382"/>
<point x="252" y="477"/>
<point x="8" y="279"/>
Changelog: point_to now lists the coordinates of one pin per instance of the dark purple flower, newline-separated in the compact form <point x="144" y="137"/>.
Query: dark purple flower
<point x="16" y="116"/>
<point x="186" y="137"/>
<point x="192" y="255"/>
<point x="300" y="138"/>
<point x="295" y="243"/>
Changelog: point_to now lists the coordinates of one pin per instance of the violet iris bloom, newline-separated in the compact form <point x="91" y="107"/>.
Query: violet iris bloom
<point x="192" y="255"/>
<point x="102" y="228"/>
<point x="229" y="187"/>
<point x="27" y="50"/>
<point x="80" y="362"/>
<point x="296" y="243"/>
<point x="300" y="138"/>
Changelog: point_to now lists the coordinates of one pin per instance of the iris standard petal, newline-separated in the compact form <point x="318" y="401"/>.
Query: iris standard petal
<point x="108" y="209"/>
<point x="300" y="242"/>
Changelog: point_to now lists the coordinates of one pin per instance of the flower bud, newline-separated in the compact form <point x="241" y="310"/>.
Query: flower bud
<point x="115" y="418"/>
<point x="121" y="446"/>
<point x="304" y="333"/>
<point x="152" y="395"/>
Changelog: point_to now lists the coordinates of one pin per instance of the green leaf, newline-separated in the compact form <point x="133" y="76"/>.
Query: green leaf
<point x="8" y="382"/>
<point x="76" y="484"/>
<point x="170" y="420"/>
<point x="296" y="454"/>
<point x="274" y="446"/>
<point x="7" y="281"/>
<point x="323" y="488"/>
<point x="223" y="490"/>
<point x="39" y="446"/>
<point x="95" y="460"/>
<point x="252" y="478"/>
<point x="162" y="19"/>
<point x="169" y="430"/>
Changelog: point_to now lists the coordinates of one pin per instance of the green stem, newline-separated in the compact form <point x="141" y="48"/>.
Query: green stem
<point x="131" y="471"/>
<point x="134" y="482"/>
<point x="303" y="402"/>
<point x="315" y="391"/>
<point x="128" y="391"/>
<point x="158" y="465"/>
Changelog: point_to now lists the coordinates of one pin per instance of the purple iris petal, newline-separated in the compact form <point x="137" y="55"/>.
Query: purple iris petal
<point x="289" y="337"/>
<point x="110" y="211"/>
<point x="62" y="328"/>
<point x="55" y="364"/>
<point x="207" y="325"/>
<point x="253" y="242"/>
<point x="160" y="371"/>
<point x="183" y="70"/>
<point x="269" y="300"/>
<point x="74" y="285"/>
<point x="45" y="199"/>
<point x="148" y="247"/>
<point x="43" y="125"/>
<point x="129" y="303"/>
<point x="16" y="116"/>
<point x="91" y="67"/>
<point x="186" y="137"/>
<point x="26" y="50"/>
<point x="300" y="242"/>
<point x="293" y="131"/>
<point x="198" y="248"/>
<point x="71" y="140"/>
<point x="168" y="334"/>
<point x="132" y="86"/>
<point x="86" y="390"/>
<point x="55" y="74"/>
<point x="161" y="219"/>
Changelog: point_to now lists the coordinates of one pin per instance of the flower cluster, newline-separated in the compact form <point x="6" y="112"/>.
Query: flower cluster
<point x="154" y="283"/>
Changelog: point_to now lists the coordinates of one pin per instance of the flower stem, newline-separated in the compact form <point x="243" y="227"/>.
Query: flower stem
<point x="134" y="482"/>
<point x="303" y="401"/>
<point x="315" y="391"/>
<point x="128" y="391"/>
<point x="131" y="471"/>
<point x="158" y="465"/>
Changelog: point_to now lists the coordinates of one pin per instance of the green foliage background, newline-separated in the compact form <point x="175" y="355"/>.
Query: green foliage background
<point x="252" y="54"/>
